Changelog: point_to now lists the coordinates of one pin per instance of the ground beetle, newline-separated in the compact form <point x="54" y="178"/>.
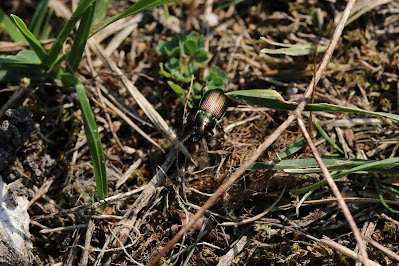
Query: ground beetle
<point x="212" y="108"/>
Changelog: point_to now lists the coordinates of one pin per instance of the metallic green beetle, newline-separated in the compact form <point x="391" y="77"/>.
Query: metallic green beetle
<point x="212" y="108"/>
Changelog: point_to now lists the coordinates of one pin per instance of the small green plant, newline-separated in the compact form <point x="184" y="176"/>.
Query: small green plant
<point x="186" y="55"/>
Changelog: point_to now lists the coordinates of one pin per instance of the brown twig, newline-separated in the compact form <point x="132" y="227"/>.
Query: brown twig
<point x="267" y="142"/>
<point x="386" y="250"/>
<point x="344" y="250"/>
<point x="336" y="192"/>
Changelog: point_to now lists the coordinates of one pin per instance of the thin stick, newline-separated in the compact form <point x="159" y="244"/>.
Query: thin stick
<point x="15" y="96"/>
<point x="344" y="250"/>
<point x="268" y="141"/>
<point x="336" y="192"/>
<point x="386" y="250"/>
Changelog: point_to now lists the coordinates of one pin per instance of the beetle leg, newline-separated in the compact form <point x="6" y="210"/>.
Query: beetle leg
<point x="220" y="127"/>
<point x="202" y="91"/>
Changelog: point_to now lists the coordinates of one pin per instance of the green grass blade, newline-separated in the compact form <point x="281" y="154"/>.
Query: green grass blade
<point x="272" y="99"/>
<point x="93" y="136"/>
<point x="310" y="163"/>
<point x="292" y="148"/>
<point x="79" y="44"/>
<point x="38" y="17"/>
<point x="391" y="164"/>
<point x="382" y="198"/>
<point x="327" y="137"/>
<point x="33" y="42"/>
<point x="46" y="29"/>
<point x="137" y="7"/>
<point x="11" y="29"/>
<point x="24" y="57"/>
<point x="55" y="50"/>
<point x="102" y="7"/>
<point x="228" y="4"/>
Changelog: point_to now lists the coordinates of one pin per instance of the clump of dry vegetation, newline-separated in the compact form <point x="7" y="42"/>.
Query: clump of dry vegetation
<point x="154" y="190"/>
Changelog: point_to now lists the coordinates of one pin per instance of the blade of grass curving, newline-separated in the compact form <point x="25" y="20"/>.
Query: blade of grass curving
<point x="93" y="137"/>
<point x="38" y="17"/>
<point x="393" y="190"/>
<point x="137" y="7"/>
<point x="55" y="50"/>
<point x="377" y="187"/>
<point x="79" y="44"/>
<point x="101" y="9"/>
<point x="33" y="42"/>
<point x="10" y="28"/>
<point x="272" y="99"/>
<point x="301" y="201"/>
<point x="327" y="137"/>
<point x="391" y="162"/>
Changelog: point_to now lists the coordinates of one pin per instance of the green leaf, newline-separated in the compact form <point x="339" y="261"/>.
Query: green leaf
<point x="292" y="148"/>
<point x="93" y="136"/>
<point x="193" y="36"/>
<point x="215" y="78"/>
<point x="79" y="44"/>
<point x="200" y="56"/>
<point x="176" y="88"/>
<point x="190" y="47"/>
<point x="24" y="64"/>
<point x="137" y="7"/>
<point x="55" y="50"/>
<point x="219" y="72"/>
<point x="38" y="17"/>
<point x="201" y="41"/>
<point x="192" y="69"/>
<point x="11" y="29"/>
<point x="173" y="64"/>
<point x="163" y="72"/>
<point x="272" y="99"/>
<point x="24" y="57"/>
<point x="33" y="42"/>
<point x="170" y="47"/>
